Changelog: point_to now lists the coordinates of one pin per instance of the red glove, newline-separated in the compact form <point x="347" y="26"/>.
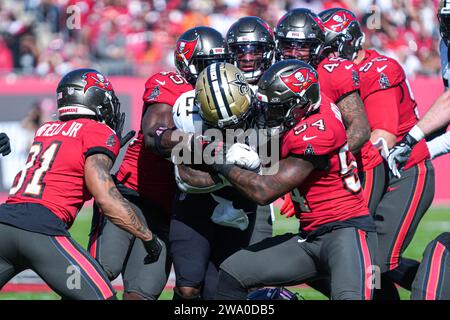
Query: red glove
<point x="287" y="209"/>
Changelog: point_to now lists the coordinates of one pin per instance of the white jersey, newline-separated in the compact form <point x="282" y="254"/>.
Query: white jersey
<point x="185" y="113"/>
<point x="186" y="118"/>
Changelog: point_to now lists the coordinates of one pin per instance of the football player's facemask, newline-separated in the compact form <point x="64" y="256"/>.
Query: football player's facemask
<point x="300" y="35"/>
<point x="304" y="50"/>
<point x="252" y="43"/>
<point x="86" y="93"/>
<point x="272" y="294"/>
<point x="342" y="33"/>
<point x="224" y="97"/>
<point x="444" y="20"/>
<point x="288" y="92"/>
<point x="198" y="48"/>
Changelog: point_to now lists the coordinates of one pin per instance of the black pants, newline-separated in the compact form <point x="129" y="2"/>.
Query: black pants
<point x="400" y="210"/>
<point x="373" y="182"/>
<point x="432" y="281"/>
<point x="118" y="251"/>
<point x="62" y="263"/>
<point x="198" y="246"/>
<point x="346" y="256"/>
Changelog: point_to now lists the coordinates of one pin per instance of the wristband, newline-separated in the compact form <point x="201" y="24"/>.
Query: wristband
<point x="416" y="133"/>
<point x="158" y="137"/>
<point x="223" y="169"/>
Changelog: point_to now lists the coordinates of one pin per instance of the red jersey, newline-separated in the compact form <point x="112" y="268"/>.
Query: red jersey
<point x="339" y="78"/>
<point x="389" y="101"/>
<point x="54" y="173"/>
<point x="143" y="171"/>
<point x="329" y="195"/>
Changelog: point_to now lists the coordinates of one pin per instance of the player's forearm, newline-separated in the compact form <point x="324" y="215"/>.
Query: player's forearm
<point x="387" y="136"/>
<point x="111" y="202"/>
<point x="355" y="120"/>
<point x="196" y="178"/>
<point x="120" y="212"/>
<point x="262" y="190"/>
<point x="437" y="116"/>
<point x="161" y="140"/>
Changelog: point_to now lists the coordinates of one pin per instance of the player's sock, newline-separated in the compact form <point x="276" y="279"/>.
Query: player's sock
<point x="229" y="288"/>
<point x="387" y="291"/>
<point x="405" y="273"/>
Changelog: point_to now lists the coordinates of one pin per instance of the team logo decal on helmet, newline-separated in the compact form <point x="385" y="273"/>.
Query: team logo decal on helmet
<point x="185" y="49"/>
<point x="319" y="23"/>
<point x="339" y="21"/>
<point x="94" y="79"/>
<point x="300" y="80"/>
<point x="241" y="84"/>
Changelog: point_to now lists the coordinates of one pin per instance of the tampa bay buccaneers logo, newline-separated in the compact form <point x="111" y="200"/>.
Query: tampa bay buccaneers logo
<point x="300" y="80"/>
<point x="185" y="49"/>
<point x="94" y="79"/>
<point x="339" y="22"/>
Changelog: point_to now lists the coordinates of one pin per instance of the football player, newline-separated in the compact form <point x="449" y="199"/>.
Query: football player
<point x="432" y="281"/>
<point x="433" y="124"/>
<point x="252" y="43"/>
<point x="337" y="233"/>
<point x="5" y="147"/>
<point x="300" y="35"/>
<point x="69" y="163"/>
<point x="383" y="79"/>
<point x="146" y="177"/>
<point x="210" y="220"/>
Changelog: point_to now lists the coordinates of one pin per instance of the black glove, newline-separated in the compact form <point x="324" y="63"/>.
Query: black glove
<point x="119" y="128"/>
<point x="5" y="147"/>
<point x="400" y="153"/>
<point x="153" y="248"/>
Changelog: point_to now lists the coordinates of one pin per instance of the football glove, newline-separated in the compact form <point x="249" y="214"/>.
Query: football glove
<point x="400" y="153"/>
<point x="244" y="156"/>
<point x="153" y="248"/>
<point x="5" y="147"/>
<point x="119" y="128"/>
<point x="287" y="209"/>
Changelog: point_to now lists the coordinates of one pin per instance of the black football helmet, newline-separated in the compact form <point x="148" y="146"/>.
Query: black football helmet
<point x="87" y="93"/>
<point x="197" y="48"/>
<point x="300" y="35"/>
<point x="343" y="32"/>
<point x="287" y="92"/>
<point x="444" y="20"/>
<point x="252" y="43"/>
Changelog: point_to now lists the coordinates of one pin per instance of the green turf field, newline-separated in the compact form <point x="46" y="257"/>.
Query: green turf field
<point x="435" y="221"/>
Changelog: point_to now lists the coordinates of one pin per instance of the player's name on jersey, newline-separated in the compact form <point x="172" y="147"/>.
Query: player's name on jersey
<point x="54" y="129"/>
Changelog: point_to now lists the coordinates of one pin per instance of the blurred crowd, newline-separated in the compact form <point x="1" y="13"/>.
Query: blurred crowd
<point x="137" y="37"/>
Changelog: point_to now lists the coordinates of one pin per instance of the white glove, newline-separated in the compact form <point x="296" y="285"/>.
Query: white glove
<point x="227" y="215"/>
<point x="382" y="147"/>
<point x="243" y="156"/>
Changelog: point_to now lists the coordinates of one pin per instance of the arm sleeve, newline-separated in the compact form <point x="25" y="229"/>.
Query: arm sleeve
<point x="382" y="110"/>
<point x="99" y="138"/>
<point x="439" y="146"/>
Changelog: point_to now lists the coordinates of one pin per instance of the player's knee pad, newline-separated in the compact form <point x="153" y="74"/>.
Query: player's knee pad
<point x="186" y="293"/>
